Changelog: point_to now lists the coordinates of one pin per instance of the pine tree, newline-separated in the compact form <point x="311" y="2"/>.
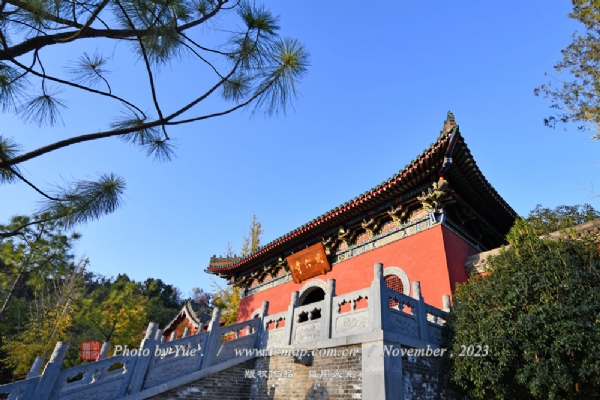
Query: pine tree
<point x="39" y="251"/>
<point x="51" y="322"/>
<point x="241" y="58"/>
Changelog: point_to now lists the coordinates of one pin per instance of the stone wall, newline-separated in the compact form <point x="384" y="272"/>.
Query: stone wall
<point x="423" y="379"/>
<point x="229" y="384"/>
<point x="280" y="378"/>
<point x="326" y="378"/>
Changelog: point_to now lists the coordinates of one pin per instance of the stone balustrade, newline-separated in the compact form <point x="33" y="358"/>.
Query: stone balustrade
<point x="403" y="320"/>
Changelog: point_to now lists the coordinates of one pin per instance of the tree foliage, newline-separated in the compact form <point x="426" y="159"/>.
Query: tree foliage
<point x="78" y="306"/>
<point x="234" y="45"/>
<point x="251" y="241"/>
<point x="46" y="297"/>
<point x="201" y="297"/>
<point x="545" y="220"/>
<point x="40" y="251"/>
<point x="116" y="312"/>
<point x="577" y="97"/>
<point x="228" y="298"/>
<point x="50" y="321"/>
<point x="537" y="311"/>
<point x="37" y="339"/>
<point x="39" y="283"/>
<point x="164" y="301"/>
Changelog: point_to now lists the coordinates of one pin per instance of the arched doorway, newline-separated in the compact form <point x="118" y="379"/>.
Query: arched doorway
<point x="312" y="296"/>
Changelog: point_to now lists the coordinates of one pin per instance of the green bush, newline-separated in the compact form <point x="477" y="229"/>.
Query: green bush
<point x="538" y="311"/>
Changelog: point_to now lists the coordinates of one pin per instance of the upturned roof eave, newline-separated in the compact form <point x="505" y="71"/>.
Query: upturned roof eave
<point x="381" y="193"/>
<point x="449" y="146"/>
<point x="185" y="312"/>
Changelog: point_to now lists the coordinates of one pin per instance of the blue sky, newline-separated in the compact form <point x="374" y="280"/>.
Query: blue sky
<point x="381" y="80"/>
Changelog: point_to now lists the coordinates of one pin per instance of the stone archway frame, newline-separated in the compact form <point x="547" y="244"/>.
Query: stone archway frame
<point x="308" y="286"/>
<point x="400" y="274"/>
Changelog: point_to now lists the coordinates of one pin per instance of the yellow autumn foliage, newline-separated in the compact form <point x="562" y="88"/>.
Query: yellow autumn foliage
<point x="37" y="339"/>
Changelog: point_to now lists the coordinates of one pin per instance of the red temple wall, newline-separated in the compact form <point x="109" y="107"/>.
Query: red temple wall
<point x="434" y="257"/>
<point x="457" y="252"/>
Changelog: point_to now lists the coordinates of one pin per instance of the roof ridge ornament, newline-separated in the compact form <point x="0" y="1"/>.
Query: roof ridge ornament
<point x="450" y="129"/>
<point x="449" y="123"/>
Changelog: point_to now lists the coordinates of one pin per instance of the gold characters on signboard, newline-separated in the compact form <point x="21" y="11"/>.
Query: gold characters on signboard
<point x="298" y="268"/>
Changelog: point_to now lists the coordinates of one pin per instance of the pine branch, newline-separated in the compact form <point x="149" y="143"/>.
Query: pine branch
<point x="12" y="170"/>
<point x="218" y="114"/>
<point x="40" y="42"/>
<point x="88" y="23"/>
<point x="45" y="15"/>
<point x="76" y="85"/>
<point x="148" y="71"/>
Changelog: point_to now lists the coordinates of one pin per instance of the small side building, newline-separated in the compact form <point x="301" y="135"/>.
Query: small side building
<point x="193" y="316"/>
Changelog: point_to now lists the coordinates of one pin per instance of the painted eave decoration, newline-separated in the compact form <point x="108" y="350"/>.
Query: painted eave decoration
<point x="448" y="158"/>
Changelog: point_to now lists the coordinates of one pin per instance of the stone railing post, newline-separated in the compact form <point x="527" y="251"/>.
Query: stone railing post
<point x="214" y="339"/>
<point x="378" y="304"/>
<point x="261" y="326"/>
<point x="48" y="379"/>
<point x="289" y="322"/>
<point x="421" y="312"/>
<point x="144" y="355"/>
<point x="382" y="372"/>
<point x="35" y="367"/>
<point x="326" y="322"/>
<point x="446" y="303"/>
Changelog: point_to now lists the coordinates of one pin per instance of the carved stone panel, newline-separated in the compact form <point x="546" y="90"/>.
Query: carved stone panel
<point x="95" y="391"/>
<point x="273" y="338"/>
<point x="177" y="366"/>
<point x="308" y="333"/>
<point x="434" y="333"/>
<point x="165" y="352"/>
<point x="15" y="390"/>
<point x="353" y="323"/>
<point x="403" y="325"/>
<point x="227" y="349"/>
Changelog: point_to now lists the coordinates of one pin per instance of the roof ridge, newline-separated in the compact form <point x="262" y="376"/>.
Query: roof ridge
<point x="442" y="153"/>
<point x="444" y="134"/>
